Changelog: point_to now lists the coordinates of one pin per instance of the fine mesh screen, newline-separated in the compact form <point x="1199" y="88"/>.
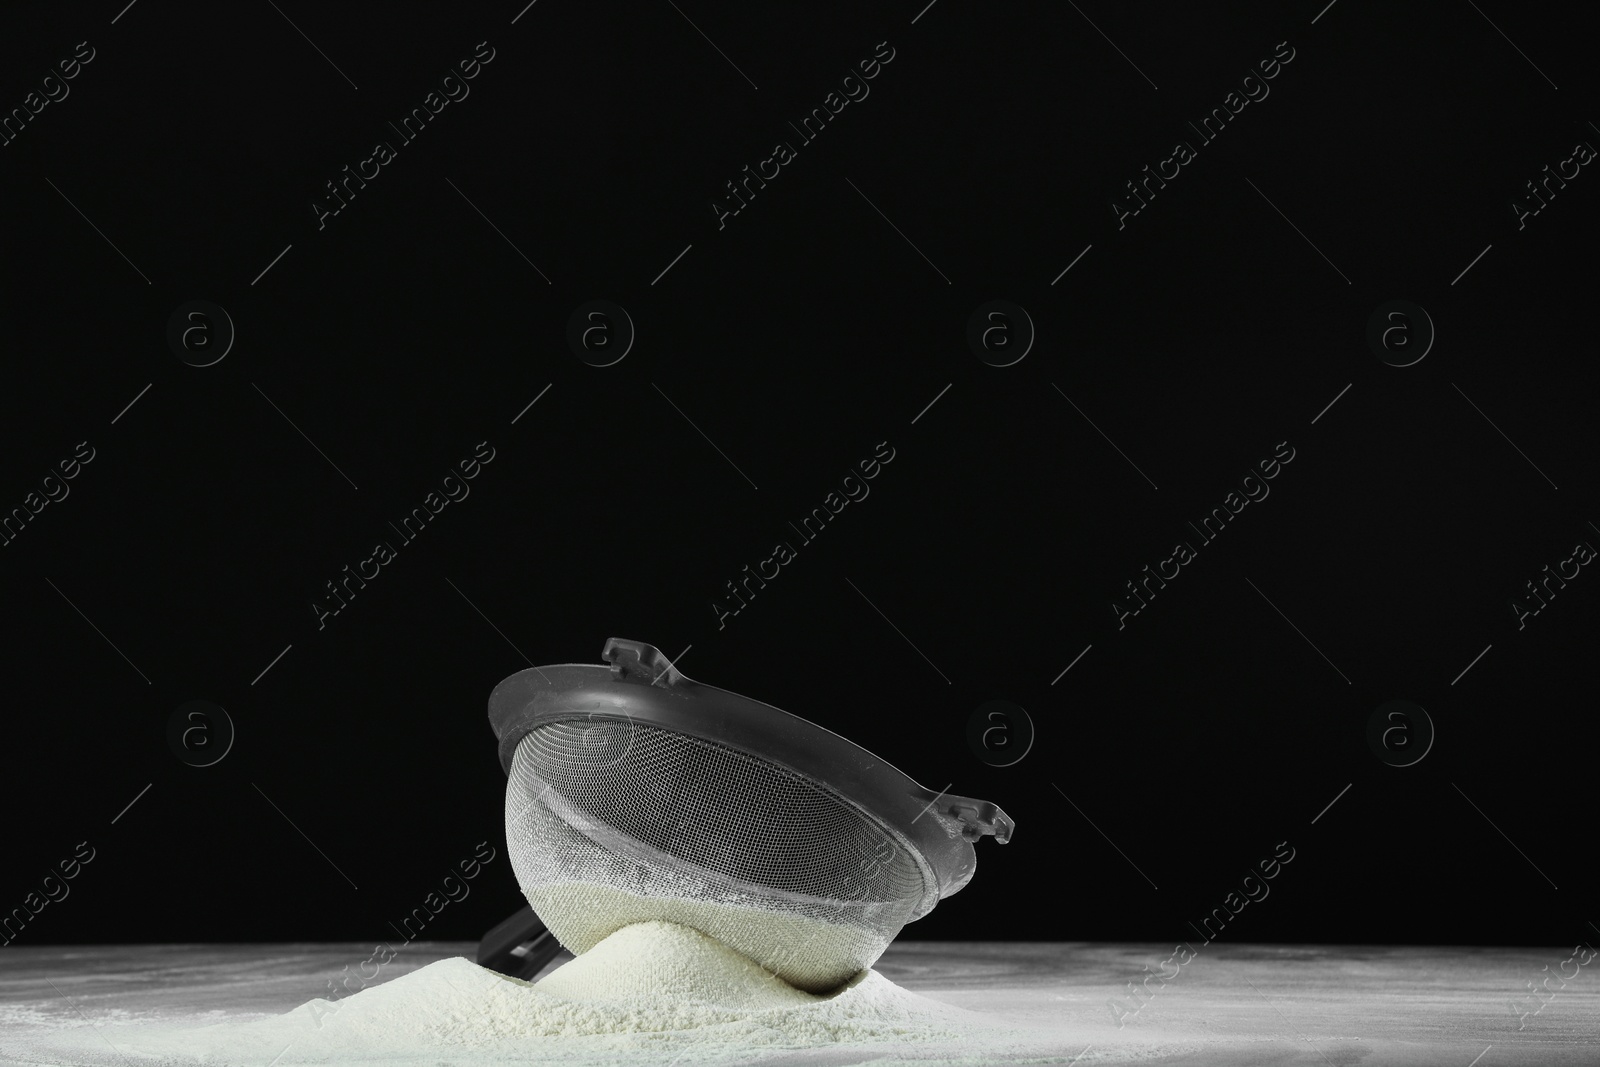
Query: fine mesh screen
<point x="610" y="823"/>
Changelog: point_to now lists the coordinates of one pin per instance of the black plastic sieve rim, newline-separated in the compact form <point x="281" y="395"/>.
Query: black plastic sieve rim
<point x="638" y="684"/>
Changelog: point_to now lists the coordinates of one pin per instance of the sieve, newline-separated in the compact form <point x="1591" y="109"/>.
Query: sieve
<point x="634" y="793"/>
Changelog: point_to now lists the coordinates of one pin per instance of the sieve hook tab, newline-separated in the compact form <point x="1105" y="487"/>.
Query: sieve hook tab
<point x="974" y="819"/>
<point x="635" y="661"/>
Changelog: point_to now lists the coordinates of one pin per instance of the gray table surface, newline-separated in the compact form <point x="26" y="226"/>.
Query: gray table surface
<point x="1234" y="1004"/>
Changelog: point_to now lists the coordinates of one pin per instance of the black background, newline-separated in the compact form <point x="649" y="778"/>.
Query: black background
<point x="797" y="338"/>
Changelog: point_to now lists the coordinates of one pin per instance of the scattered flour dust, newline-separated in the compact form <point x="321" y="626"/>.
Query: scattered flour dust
<point x="651" y="993"/>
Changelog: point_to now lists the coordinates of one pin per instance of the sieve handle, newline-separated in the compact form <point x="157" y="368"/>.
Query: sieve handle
<point x="635" y="661"/>
<point x="971" y="817"/>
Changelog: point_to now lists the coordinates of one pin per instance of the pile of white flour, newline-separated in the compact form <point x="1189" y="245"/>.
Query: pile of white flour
<point x="645" y="960"/>
<point x="814" y="955"/>
<point x="653" y="992"/>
